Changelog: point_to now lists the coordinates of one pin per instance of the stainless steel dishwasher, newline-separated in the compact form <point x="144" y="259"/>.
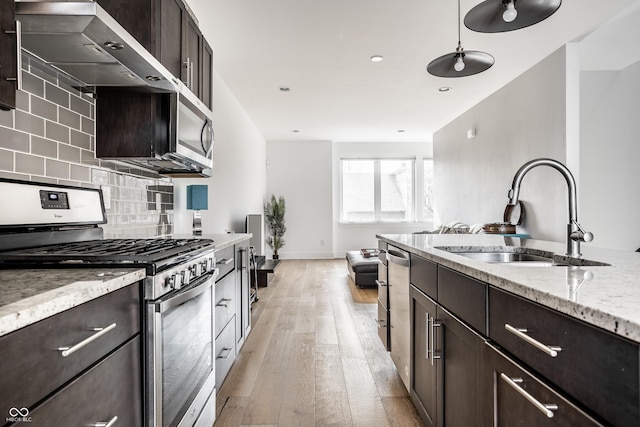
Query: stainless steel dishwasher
<point x="398" y="285"/>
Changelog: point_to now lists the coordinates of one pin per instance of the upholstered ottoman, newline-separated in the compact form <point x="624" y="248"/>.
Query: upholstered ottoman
<point x="363" y="270"/>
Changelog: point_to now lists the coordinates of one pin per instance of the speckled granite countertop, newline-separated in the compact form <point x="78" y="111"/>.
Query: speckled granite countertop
<point x="607" y="297"/>
<point x="220" y="241"/>
<point x="27" y="296"/>
<point x="225" y="240"/>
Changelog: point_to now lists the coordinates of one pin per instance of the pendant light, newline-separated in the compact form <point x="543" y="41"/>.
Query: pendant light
<point x="460" y="63"/>
<point x="497" y="16"/>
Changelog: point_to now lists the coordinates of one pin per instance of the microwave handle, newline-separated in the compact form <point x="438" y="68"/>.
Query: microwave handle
<point x="207" y="125"/>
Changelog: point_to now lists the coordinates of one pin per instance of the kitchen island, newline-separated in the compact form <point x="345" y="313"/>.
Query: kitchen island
<point x="522" y="343"/>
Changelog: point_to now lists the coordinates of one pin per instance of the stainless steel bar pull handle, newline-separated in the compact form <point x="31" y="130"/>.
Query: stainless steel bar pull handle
<point x="522" y="334"/>
<point x="545" y="408"/>
<point x="225" y="261"/>
<point x="426" y="328"/>
<point x="228" y="350"/>
<point x="188" y="73"/>
<point x="224" y="302"/>
<point x="109" y="423"/>
<point x="381" y="283"/>
<point x="432" y="337"/>
<point x="66" y="351"/>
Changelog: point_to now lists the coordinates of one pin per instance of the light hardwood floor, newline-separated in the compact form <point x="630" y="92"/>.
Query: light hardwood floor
<point x="314" y="357"/>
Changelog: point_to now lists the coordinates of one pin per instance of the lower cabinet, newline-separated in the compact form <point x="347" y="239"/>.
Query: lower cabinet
<point x="79" y="367"/>
<point x="425" y="365"/>
<point x="108" y="392"/>
<point x="519" y="398"/>
<point x="447" y="362"/>
<point x="481" y="356"/>
<point x="233" y="306"/>
<point x="243" y="294"/>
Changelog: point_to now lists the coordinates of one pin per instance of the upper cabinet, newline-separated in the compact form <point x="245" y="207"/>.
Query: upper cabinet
<point x="168" y="31"/>
<point x="9" y="58"/>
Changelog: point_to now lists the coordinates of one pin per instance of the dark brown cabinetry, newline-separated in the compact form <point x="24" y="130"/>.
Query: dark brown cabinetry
<point x="63" y="349"/>
<point x="8" y="55"/>
<point x="574" y="356"/>
<point x="447" y="363"/>
<point x="483" y="356"/>
<point x="113" y="387"/>
<point x="168" y="31"/>
<point x="425" y="368"/>
<point x="517" y="397"/>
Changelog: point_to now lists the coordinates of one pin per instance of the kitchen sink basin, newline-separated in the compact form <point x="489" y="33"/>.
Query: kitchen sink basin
<point x="524" y="257"/>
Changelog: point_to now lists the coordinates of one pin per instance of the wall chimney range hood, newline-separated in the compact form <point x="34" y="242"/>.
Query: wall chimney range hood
<point x="85" y="42"/>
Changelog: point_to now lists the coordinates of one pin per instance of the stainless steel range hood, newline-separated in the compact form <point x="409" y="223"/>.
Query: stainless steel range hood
<point x="85" y="42"/>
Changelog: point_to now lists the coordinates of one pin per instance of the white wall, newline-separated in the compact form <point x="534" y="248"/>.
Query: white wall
<point x="522" y="121"/>
<point x="300" y="171"/>
<point x="356" y="236"/>
<point x="238" y="183"/>
<point x="610" y="103"/>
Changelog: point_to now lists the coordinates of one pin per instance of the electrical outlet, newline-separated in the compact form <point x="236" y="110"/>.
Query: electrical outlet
<point x="321" y="242"/>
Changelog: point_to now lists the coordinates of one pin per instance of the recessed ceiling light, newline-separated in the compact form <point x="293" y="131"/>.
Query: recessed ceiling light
<point x="376" y="58"/>
<point x="400" y="130"/>
<point x="444" y="89"/>
<point x="284" y="88"/>
<point x="295" y="131"/>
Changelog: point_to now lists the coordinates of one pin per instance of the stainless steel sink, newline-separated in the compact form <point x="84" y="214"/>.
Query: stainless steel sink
<point x="523" y="257"/>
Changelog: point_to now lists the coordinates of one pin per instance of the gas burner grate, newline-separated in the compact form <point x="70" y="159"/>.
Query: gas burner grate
<point x="112" y="251"/>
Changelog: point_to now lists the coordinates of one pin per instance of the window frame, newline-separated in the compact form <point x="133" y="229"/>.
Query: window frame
<point x="377" y="204"/>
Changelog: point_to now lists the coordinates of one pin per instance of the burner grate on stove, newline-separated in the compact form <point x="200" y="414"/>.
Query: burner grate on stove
<point x="111" y="251"/>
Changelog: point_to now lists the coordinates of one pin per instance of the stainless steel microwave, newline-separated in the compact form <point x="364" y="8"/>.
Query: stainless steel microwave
<point x="164" y="132"/>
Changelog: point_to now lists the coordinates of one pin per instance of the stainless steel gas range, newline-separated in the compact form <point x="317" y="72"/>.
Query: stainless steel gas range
<point x="58" y="226"/>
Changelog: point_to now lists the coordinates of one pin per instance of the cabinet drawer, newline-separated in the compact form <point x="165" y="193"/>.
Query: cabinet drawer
<point x="110" y="389"/>
<point x="597" y="368"/>
<point x="225" y="261"/>
<point x="464" y="296"/>
<point x="424" y="275"/>
<point x="37" y="367"/>
<point x="225" y="302"/>
<point x="225" y="352"/>
<point x="515" y="392"/>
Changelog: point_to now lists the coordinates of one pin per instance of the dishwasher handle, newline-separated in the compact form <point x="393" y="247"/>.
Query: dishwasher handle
<point x="398" y="257"/>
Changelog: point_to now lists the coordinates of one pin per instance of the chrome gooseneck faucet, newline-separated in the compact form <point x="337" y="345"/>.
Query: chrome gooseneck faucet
<point x="575" y="233"/>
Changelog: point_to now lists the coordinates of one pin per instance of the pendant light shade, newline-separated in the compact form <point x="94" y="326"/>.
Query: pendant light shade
<point x="497" y="16"/>
<point x="474" y="62"/>
<point x="460" y="63"/>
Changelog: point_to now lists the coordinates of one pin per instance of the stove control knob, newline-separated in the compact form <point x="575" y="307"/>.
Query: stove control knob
<point x="204" y="267"/>
<point x="174" y="281"/>
<point x="186" y="276"/>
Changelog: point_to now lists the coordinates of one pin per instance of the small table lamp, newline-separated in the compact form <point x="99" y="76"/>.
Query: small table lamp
<point x="197" y="200"/>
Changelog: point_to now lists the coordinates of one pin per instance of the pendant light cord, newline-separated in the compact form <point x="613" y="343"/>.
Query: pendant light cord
<point x="459" y="23"/>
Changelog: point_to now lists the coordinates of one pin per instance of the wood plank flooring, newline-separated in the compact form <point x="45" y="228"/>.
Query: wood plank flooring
<point x="314" y="357"/>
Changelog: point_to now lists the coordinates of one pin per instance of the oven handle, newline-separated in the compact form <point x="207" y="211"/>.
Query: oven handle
<point x="162" y="306"/>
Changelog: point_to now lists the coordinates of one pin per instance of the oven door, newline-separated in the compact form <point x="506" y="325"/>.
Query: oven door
<point x="180" y="356"/>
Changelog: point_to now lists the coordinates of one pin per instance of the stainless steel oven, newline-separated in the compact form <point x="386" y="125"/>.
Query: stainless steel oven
<point x="59" y="227"/>
<point x="180" y="355"/>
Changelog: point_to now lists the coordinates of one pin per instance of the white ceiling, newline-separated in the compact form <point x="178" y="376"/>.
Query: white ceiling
<point x="321" y="50"/>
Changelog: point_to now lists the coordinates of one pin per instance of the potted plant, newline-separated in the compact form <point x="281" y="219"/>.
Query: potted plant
<point x="274" y="211"/>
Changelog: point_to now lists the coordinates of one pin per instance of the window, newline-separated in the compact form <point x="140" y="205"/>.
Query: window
<point x="377" y="190"/>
